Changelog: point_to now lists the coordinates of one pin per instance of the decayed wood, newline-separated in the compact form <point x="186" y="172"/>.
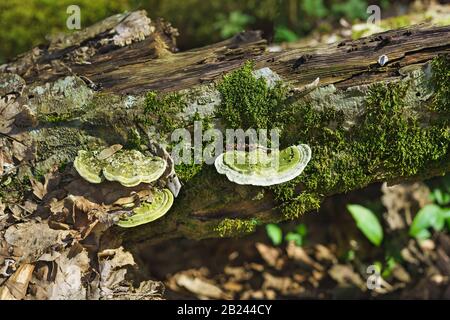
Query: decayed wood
<point x="153" y="64"/>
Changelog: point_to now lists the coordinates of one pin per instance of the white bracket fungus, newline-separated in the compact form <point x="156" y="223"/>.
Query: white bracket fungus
<point x="89" y="166"/>
<point x="131" y="167"/>
<point x="128" y="167"/>
<point x="259" y="168"/>
<point x="149" y="211"/>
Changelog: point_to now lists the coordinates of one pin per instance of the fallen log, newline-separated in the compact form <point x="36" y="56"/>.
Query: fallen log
<point x="374" y="109"/>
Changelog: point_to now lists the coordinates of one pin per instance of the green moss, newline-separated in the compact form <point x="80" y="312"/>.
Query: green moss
<point x="388" y="140"/>
<point x="39" y="174"/>
<point x="394" y="136"/>
<point x="134" y="140"/>
<point x="13" y="188"/>
<point x="235" y="227"/>
<point x="63" y="165"/>
<point x="54" y="118"/>
<point x="248" y="102"/>
<point x="393" y="140"/>
<point x="299" y="205"/>
<point x="162" y="111"/>
<point x="187" y="171"/>
<point x="440" y="80"/>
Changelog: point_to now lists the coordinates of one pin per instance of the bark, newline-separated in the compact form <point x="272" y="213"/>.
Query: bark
<point x="89" y="89"/>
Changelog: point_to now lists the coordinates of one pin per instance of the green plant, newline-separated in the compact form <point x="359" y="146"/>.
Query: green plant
<point x="314" y="8"/>
<point x="430" y="216"/>
<point x="441" y="192"/>
<point x="349" y="255"/>
<point x="284" y="34"/>
<point x="388" y="267"/>
<point x="298" y="236"/>
<point x="275" y="233"/>
<point x="234" y="23"/>
<point x="351" y="9"/>
<point x="367" y="222"/>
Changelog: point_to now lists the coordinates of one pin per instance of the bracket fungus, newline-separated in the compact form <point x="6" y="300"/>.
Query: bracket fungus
<point x="259" y="168"/>
<point x="131" y="167"/>
<point x="128" y="167"/>
<point x="89" y="166"/>
<point x="149" y="211"/>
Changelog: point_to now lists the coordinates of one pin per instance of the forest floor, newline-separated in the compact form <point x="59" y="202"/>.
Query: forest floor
<point x="332" y="262"/>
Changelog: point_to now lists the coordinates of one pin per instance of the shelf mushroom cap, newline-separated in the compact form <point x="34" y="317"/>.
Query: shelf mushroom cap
<point x="131" y="167"/>
<point x="88" y="166"/>
<point x="160" y="204"/>
<point x="259" y="168"/>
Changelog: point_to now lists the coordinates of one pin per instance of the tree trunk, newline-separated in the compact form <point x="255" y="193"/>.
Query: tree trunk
<point x="366" y="120"/>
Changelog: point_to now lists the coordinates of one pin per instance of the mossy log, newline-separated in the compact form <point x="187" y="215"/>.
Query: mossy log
<point x="122" y="81"/>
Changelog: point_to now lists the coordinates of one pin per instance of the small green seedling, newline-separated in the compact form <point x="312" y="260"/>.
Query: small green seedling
<point x="430" y="216"/>
<point x="298" y="236"/>
<point x="275" y="233"/>
<point x="367" y="222"/>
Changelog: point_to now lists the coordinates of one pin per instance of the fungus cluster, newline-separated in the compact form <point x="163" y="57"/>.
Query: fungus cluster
<point x="129" y="168"/>
<point x="260" y="168"/>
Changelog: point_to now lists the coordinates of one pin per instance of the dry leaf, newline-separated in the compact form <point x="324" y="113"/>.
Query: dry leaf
<point x="238" y="273"/>
<point x="345" y="276"/>
<point x="68" y="283"/>
<point x="38" y="188"/>
<point x="20" y="150"/>
<point x="84" y="204"/>
<point x="284" y="285"/>
<point x="8" y="110"/>
<point x="270" y="255"/>
<point x="199" y="287"/>
<point x="233" y="286"/>
<point x="324" y="254"/>
<point x="16" y="286"/>
<point x="299" y="254"/>
<point x="33" y="239"/>
<point x="112" y="271"/>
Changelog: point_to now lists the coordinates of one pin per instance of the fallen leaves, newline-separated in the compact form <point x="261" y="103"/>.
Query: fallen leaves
<point x="108" y="152"/>
<point x="68" y="282"/>
<point x="345" y="275"/>
<point x="15" y="288"/>
<point x="299" y="254"/>
<point x="3" y="215"/>
<point x="284" y="285"/>
<point x="286" y="272"/>
<point x="9" y="109"/>
<point x="271" y="255"/>
<point x="38" y="188"/>
<point x="200" y="287"/>
<point x="28" y="241"/>
<point x="58" y="229"/>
